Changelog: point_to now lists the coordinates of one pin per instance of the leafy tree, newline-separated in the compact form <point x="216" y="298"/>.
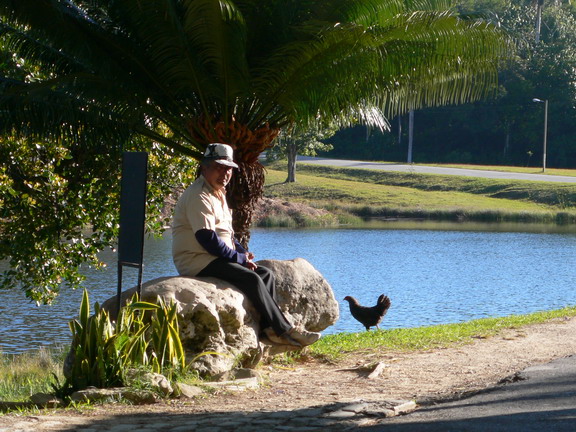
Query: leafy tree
<point x="55" y="216"/>
<point x="180" y="74"/>
<point x="508" y="129"/>
<point x="545" y="70"/>
<point x="293" y="142"/>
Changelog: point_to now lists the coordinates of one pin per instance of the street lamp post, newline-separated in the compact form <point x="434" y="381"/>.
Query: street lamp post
<point x="545" y="102"/>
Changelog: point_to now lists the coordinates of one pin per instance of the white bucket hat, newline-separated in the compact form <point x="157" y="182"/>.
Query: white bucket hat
<point x="221" y="153"/>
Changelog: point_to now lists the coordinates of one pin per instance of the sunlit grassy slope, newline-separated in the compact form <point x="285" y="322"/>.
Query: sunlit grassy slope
<point x="377" y="193"/>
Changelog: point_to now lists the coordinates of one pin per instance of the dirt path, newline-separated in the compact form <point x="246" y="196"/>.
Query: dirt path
<point x="439" y="373"/>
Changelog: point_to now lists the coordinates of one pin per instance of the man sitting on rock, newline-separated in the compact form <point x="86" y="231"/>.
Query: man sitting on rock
<point x="203" y="244"/>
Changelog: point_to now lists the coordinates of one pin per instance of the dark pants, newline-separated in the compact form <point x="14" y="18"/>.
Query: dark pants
<point x="258" y="285"/>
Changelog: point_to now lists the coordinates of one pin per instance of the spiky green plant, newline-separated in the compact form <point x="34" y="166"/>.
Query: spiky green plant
<point x="95" y="361"/>
<point x="102" y="350"/>
<point x="162" y="336"/>
<point x="165" y="336"/>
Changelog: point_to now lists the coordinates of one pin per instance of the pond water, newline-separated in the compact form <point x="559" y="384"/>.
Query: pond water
<point x="433" y="274"/>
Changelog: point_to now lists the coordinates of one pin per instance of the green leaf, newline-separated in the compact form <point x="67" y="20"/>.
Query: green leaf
<point x="84" y="309"/>
<point x="177" y="356"/>
<point x="144" y="306"/>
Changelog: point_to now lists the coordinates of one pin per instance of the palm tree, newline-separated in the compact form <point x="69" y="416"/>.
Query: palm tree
<point x="235" y="71"/>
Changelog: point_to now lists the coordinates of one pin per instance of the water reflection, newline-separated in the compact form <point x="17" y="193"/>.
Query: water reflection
<point x="438" y="275"/>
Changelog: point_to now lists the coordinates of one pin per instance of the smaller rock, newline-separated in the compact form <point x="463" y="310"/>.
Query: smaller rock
<point x="155" y="381"/>
<point x="93" y="394"/>
<point x="356" y="407"/>
<point x="6" y="406"/>
<point x="246" y="373"/>
<point x="340" y="414"/>
<point x="518" y="376"/>
<point x="160" y="383"/>
<point x="236" y="374"/>
<point x="46" y="400"/>
<point x="379" y="411"/>
<point x="140" y="397"/>
<point x="188" y="391"/>
<point x="377" y="371"/>
<point x="388" y="408"/>
<point x="404" y="407"/>
<point x="234" y="385"/>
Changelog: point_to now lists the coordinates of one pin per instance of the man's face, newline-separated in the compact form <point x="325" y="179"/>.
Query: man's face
<point x="217" y="175"/>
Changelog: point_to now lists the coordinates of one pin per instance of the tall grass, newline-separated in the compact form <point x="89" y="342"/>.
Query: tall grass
<point x="26" y="374"/>
<point x="459" y="214"/>
<point x="299" y="221"/>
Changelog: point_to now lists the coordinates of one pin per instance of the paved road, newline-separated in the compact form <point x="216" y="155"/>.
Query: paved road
<point x="542" y="400"/>
<point x="422" y="169"/>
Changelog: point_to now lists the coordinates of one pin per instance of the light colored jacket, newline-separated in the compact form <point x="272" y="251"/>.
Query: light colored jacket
<point x="199" y="207"/>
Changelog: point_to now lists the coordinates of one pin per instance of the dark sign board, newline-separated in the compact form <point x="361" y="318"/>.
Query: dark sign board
<point x="132" y="207"/>
<point x="132" y="214"/>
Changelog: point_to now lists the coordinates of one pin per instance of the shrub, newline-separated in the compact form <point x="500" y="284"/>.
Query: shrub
<point x="144" y="334"/>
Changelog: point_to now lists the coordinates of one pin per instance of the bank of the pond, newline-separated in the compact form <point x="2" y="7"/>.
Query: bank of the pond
<point x="351" y="196"/>
<point x="336" y="346"/>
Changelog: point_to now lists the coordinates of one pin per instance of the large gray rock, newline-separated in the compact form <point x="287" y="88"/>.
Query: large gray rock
<point x="216" y="317"/>
<point x="303" y="294"/>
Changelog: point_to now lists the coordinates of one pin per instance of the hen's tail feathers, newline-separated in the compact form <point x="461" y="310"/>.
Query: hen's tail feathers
<point x="385" y="301"/>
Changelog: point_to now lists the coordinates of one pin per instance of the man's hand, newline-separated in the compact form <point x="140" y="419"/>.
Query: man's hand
<point x="249" y="264"/>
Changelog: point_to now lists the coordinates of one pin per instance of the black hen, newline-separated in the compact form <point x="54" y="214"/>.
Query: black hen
<point x="369" y="316"/>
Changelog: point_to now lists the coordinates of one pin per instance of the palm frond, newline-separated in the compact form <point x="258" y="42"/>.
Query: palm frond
<point x="442" y="58"/>
<point x="131" y="64"/>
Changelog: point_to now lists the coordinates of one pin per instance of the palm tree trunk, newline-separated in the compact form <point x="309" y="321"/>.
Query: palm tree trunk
<point x="243" y="193"/>
<point x="247" y="184"/>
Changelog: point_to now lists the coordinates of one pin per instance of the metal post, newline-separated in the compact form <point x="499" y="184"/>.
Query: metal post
<point x="545" y="135"/>
<point x="410" y="135"/>
<point x="545" y="102"/>
<point x="544" y="144"/>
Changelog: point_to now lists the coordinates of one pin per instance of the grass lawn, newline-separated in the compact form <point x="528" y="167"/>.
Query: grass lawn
<point x="334" y="347"/>
<point x="374" y="193"/>
<point x="336" y="190"/>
